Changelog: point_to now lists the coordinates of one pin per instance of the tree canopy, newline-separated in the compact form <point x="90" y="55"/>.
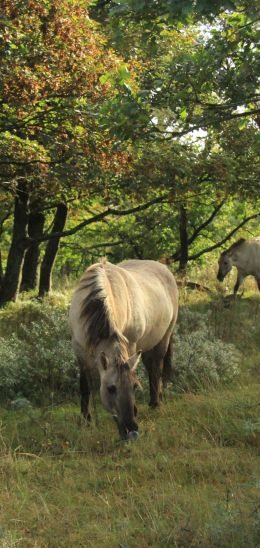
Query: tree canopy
<point x="131" y="118"/>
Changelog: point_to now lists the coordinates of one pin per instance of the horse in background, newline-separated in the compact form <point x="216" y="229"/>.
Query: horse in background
<point x="245" y="256"/>
<point x="118" y="314"/>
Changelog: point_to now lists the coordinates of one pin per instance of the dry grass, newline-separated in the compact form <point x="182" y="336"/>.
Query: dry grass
<point x="189" y="481"/>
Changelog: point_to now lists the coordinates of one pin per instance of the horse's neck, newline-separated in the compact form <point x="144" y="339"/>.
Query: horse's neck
<point x="115" y="348"/>
<point x="239" y="256"/>
<point x="117" y="300"/>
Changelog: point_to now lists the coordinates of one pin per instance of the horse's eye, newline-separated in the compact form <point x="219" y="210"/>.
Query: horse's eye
<point x="112" y="389"/>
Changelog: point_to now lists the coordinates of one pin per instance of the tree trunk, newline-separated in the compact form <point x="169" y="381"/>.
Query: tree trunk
<point x="31" y="259"/>
<point x="10" y="284"/>
<point x="51" y="250"/>
<point x="1" y="270"/>
<point x="184" y="246"/>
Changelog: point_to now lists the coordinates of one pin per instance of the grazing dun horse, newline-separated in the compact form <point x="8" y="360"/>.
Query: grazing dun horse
<point x="119" y="313"/>
<point x="245" y="255"/>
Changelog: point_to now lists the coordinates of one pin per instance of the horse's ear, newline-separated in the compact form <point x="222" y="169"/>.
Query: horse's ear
<point x="134" y="360"/>
<point x="104" y="360"/>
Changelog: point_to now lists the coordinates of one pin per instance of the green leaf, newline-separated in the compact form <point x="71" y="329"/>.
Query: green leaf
<point x="183" y="114"/>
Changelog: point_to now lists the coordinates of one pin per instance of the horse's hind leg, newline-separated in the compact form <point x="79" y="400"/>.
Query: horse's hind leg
<point x="167" y="364"/>
<point x="157" y="363"/>
<point x="154" y="366"/>
<point x="84" y="384"/>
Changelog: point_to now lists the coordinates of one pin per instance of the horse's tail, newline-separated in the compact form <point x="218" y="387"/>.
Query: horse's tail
<point x="167" y="363"/>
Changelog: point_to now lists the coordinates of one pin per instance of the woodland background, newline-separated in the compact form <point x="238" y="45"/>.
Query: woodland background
<point x="128" y="129"/>
<point x="131" y="129"/>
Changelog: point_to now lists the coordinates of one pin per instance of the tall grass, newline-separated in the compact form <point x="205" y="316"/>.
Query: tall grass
<point x="191" y="479"/>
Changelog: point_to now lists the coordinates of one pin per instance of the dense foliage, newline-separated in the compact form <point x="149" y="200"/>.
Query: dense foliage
<point x="200" y="359"/>
<point x="37" y="364"/>
<point x="37" y="360"/>
<point x="110" y="107"/>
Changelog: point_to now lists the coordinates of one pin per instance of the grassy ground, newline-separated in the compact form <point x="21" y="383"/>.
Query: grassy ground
<point x="189" y="481"/>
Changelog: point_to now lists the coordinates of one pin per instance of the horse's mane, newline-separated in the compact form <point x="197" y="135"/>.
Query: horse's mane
<point x="97" y="307"/>
<point x="236" y="244"/>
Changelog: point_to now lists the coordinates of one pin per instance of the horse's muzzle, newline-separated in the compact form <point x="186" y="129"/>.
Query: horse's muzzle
<point x="133" y="435"/>
<point x="127" y="430"/>
<point x="220" y="277"/>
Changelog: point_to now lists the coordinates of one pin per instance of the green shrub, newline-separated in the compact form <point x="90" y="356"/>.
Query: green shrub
<point x="36" y="359"/>
<point x="199" y="358"/>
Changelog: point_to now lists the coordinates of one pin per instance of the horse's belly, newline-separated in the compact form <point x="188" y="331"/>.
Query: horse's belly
<point x="150" y="339"/>
<point x="148" y="328"/>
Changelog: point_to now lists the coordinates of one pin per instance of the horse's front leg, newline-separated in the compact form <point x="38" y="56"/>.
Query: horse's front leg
<point x="154" y="367"/>
<point x="155" y="384"/>
<point x="238" y="283"/>
<point x="84" y="385"/>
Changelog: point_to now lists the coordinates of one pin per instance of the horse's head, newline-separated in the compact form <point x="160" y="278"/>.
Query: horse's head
<point x="117" y="390"/>
<point x="225" y="264"/>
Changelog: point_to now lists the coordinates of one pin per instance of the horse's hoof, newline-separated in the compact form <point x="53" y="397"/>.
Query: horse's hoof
<point x="133" y="435"/>
<point x="84" y="420"/>
<point x="154" y="404"/>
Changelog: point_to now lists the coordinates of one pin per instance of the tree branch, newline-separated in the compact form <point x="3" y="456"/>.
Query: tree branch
<point x="167" y="135"/>
<point x="220" y="106"/>
<point x="219" y="244"/>
<point x="99" y="217"/>
<point x="97" y="246"/>
<point x="29" y="162"/>
<point x="175" y="256"/>
<point x="206" y="223"/>
<point x="4" y="218"/>
<point x="242" y="114"/>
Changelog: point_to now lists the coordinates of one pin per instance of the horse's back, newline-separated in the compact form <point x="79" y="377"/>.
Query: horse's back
<point x="153" y="297"/>
<point x="256" y="255"/>
<point x="248" y="258"/>
<point x="141" y="300"/>
<point x="151" y="277"/>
